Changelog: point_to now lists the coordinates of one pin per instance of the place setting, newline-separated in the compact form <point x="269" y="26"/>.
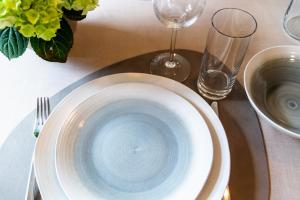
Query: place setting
<point x="169" y="125"/>
<point x="135" y="136"/>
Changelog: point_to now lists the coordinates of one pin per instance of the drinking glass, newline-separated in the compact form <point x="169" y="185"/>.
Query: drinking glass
<point x="291" y="21"/>
<point x="226" y="46"/>
<point x="175" y="14"/>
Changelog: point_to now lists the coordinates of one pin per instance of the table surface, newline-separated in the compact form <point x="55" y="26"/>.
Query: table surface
<point x="117" y="30"/>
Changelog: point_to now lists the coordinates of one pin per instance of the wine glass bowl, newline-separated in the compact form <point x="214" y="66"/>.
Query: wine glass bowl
<point x="175" y="14"/>
<point x="178" y="13"/>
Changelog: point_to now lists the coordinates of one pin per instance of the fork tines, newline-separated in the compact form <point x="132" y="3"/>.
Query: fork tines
<point x="42" y="113"/>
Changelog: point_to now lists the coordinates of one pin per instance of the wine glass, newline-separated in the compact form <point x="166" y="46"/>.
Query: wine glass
<point x="175" y="14"/>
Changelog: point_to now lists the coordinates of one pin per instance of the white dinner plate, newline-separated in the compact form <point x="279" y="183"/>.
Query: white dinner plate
<point x="45" y="146"/>
<point x="134" y="141"/>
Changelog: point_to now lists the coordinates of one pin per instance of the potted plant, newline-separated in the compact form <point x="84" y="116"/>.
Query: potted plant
<point x="43" y="24"/>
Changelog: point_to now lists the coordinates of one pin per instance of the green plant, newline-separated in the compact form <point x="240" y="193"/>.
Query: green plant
<point x="42" y="22"/>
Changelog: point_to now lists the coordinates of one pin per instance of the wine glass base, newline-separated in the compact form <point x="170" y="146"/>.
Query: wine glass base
<point x="178" y="70"/>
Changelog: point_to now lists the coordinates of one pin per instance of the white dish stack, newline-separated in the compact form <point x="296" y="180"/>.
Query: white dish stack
<point x="132" y="136"/>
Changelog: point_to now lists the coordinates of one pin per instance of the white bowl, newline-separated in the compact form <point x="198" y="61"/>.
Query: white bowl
<point x="272" y="83"/>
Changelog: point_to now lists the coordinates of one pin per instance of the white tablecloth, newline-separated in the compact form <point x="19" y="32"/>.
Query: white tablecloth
<point x="119" y="29"/>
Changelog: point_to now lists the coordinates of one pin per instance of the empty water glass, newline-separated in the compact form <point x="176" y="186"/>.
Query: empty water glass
<point x="226" y="46"/>
<point x="291" y="21"/>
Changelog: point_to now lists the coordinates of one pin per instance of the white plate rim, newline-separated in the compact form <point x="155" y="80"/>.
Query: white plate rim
<point x="44" y="150"/>
<point x="202" y="143"/>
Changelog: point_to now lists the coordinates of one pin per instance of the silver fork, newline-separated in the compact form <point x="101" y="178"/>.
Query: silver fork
<point x="42" y="113"/>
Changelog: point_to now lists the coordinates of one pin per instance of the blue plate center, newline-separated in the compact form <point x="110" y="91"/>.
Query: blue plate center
<point x="132" y="147"/>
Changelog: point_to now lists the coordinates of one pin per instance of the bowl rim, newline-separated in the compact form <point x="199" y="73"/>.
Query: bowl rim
<point x="247" y="86"/>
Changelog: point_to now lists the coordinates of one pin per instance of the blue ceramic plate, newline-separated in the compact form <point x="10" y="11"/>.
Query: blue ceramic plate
<point x="134" y="141"/>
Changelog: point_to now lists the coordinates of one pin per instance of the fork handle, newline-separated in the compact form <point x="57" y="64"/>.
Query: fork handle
<point x="32" y="191"/>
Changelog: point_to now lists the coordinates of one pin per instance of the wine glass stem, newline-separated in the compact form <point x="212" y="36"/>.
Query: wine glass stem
<point x="171" y="63"/>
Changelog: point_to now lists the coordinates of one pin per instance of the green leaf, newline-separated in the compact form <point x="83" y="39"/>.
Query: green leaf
<point x="73" y="14"/>
<point x="12" y="43"/>
<point x="57" y="49"/>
